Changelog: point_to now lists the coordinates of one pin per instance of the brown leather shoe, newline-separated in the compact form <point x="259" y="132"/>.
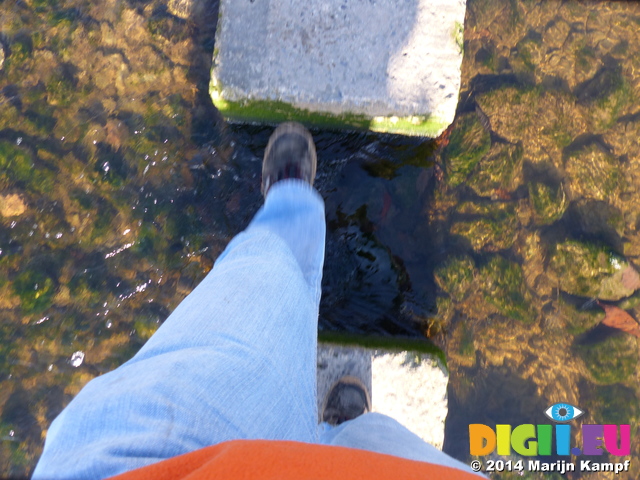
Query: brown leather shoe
<point x="290" y="153"/>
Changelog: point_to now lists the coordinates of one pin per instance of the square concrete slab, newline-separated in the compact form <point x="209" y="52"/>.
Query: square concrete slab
<point x="409" y="386"/>
<point x="383" y="65"/>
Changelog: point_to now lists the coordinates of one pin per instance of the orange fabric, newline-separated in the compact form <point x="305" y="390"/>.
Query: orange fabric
<point x="263" y="459"/>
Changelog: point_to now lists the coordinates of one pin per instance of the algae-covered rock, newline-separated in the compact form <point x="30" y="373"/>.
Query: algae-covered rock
<point x="607" y="94"/>
<point x="612" y="404"/>
<point x="503" y="286"/>
<point x="17" y="168"/>
<point x="489" y="227"/>
<point x="455" y="276"/>
<point x="611" y="360"/>
<point x="598" y="219"/>
<point x="577" y="320"/>
<point x="445" y="309"/>
<point x="36" y="289"/>
<point x="592" y="270"/>
<point x="548" y="202"/>
<point x="467" y="346"/>
<point x="468" y="143"/>
<point x="12" y="205"/>
<point x="529" y="53"/>
<point x="593" y="172"/>
<point x="497" y="170"/>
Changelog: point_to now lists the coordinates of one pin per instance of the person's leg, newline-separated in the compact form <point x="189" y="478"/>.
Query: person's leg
<point x="382" y="434"/>
<point x="235" y="360"/>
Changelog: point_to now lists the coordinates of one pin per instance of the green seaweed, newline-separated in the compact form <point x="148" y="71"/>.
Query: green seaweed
<point x="35" y="289"/>
<point x="488" y="227"/>
<point x="455" y="276"/>
<point x="503" y="287"/>
<point x="16" y="166"/>
<point x="468" y="143"/>
<point x="497" y="170"/>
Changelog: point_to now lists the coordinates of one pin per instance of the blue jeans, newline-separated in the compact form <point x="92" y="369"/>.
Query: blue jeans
<point x="235" y="360"/>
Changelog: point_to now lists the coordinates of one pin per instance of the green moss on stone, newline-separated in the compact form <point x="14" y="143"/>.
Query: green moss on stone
<point x="444" y="307"/>
<point x="503" y="286"/>
<point x="468" y="143"/>
<point x="455" y="276"/>
<point x="16" y="166"/>
<point x="274" y="112"/>
<point x="35" y="289"/>
<point x="548" y="202"/>
<point x="497" y="170"/>
<point x="611" y="360"/>
<point x="607" y="110"/>
<point x="419" y="345"/>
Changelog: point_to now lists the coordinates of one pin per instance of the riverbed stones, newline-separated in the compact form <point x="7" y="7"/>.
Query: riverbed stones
<point x="388" y="65"/>
<point x="12" y="205"/>
<point x="610" y="360"/>
<point x="592" y="270"/>
<point x="469" y="142"/>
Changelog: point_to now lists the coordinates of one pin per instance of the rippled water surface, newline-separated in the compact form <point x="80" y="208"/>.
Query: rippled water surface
<point x="120" y="184"/>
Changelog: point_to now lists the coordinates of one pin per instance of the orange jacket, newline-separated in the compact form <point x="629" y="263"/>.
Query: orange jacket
<point x="284" y="460"/>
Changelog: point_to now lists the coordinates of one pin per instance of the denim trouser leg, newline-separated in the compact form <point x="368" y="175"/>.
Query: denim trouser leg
<point x="235" y="360"/>
<point x="382" y="434"/>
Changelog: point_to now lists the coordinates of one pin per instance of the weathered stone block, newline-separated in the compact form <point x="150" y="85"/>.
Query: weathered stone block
<point x="383" y="65"/>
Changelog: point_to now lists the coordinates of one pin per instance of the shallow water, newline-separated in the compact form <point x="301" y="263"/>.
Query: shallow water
<point x="121" y="184"/>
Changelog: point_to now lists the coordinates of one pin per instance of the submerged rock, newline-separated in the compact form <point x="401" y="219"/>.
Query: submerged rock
<point x="186" y="9"/>
<point x="548" y="202"/>
<point x="468" y="143"/>
<point x="577" y="320"/>
<point x="497" y="171"/>
<point x="612" y="404"/>
<point x="489" y="227"/>
<point x="591" y="270"/>
<point x="12" y="205"/>
<point x="455" y="276"/>
<point x="504" y="288"/>
<point x="593" y="172"/>
<point x="612" y="359"/>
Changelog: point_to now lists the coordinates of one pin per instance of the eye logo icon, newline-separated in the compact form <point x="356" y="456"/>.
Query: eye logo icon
<point x="563" y="412"/>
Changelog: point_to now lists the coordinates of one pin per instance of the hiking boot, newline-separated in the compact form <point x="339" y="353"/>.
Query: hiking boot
<point x="290" y="153"/>
<point x="347" y="399"/>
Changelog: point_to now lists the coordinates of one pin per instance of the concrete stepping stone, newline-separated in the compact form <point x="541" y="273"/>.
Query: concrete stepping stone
<point x="383" y="65"/>
<point x="410" y="386"/>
